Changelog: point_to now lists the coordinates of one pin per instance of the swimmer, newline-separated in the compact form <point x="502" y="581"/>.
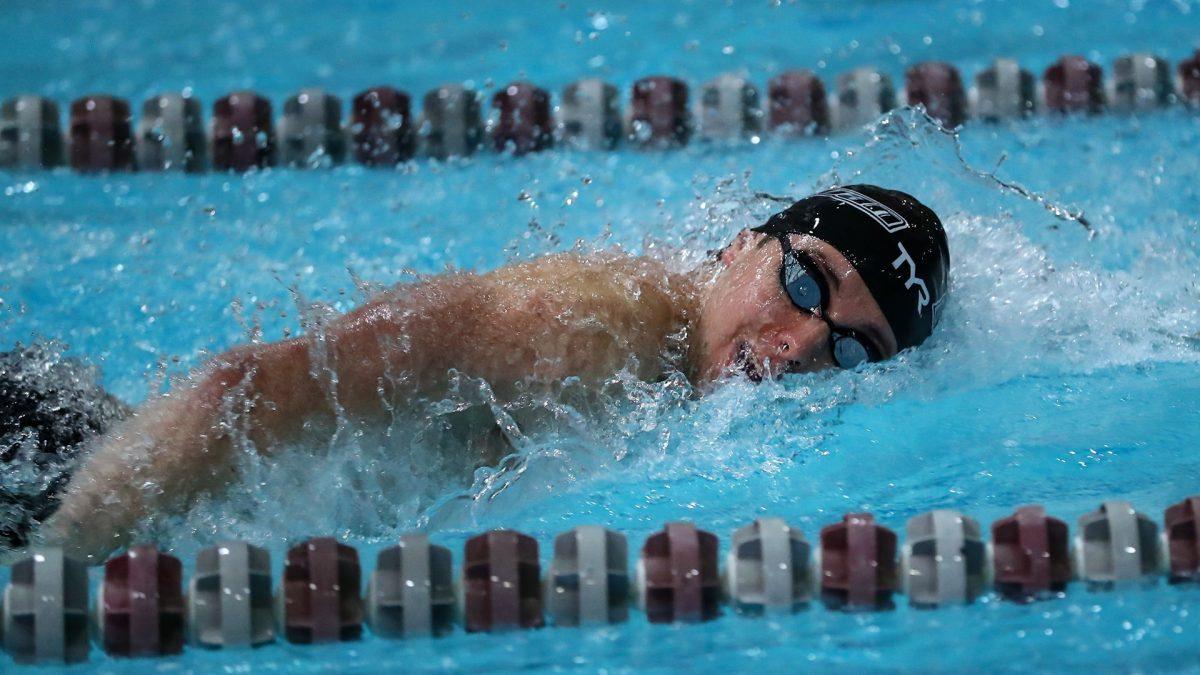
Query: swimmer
<point x="849" y="276"/>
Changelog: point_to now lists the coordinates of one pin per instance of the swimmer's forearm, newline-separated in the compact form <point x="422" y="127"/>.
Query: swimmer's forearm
<point x="171" y="449"/>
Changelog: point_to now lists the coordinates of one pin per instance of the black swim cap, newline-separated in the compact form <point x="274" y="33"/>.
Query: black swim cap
<point x="894" y="242"/>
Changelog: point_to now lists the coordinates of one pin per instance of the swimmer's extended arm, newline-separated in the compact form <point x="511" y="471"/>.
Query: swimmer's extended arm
<point x="384" y="354"/>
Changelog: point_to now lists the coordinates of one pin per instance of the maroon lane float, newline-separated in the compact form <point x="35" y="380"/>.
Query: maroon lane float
<point x="679" y="576"/>
<point x="938" y="87"/>
<point x="101" y="134"/>
<point x="1189" y="79"/>
<point x="524" y="123"/>
<point x="501" y="582"/>
<point x="381" y="126"/>
<point x="659" y="113"/>
<point x="797" y="104"/>
<point x="858" y="564"/>
<point x="141" y="603"/>
<point x="1030" y="553"/>
<point x="243" y="134"/>
<point x="1182" y="525"/>
<point x="321" y="592"/>
<point x="1074" y="85"/>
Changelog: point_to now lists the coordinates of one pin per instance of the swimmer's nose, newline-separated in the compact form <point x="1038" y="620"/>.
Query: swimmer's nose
<point x="799" y="346"/>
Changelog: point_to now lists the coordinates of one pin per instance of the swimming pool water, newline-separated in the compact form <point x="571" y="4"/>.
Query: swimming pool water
<point x="1064" y="371"/>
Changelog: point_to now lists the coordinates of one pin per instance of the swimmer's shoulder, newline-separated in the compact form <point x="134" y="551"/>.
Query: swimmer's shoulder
<point x="606" y="284"/>
<point x="597" y="269"/>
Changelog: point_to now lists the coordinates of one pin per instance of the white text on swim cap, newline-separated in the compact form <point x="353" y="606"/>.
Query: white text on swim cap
<point x="891" y="221"/>
<point x="913" y="279"/>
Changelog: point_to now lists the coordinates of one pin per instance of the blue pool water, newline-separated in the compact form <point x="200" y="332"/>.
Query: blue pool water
<point x="1064" y="372"/>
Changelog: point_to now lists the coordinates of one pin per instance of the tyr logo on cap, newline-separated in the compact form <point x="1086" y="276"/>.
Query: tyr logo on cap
<point x="913" y="279"/>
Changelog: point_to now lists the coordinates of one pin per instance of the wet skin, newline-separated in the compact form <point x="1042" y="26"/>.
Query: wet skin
<point x="533" y="324"/>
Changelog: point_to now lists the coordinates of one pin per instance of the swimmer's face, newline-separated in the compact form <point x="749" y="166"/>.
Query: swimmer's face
<point x="748" y="325"/>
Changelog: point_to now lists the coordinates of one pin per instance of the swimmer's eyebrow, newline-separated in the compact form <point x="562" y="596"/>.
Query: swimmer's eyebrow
<point x="826" y="269"/>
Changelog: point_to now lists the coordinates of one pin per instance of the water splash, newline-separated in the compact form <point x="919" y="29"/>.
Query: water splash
<point x="1024" y="305"/>
<point x="50" y="407"/>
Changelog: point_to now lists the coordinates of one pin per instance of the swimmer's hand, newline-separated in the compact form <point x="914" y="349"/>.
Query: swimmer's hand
<point x="563" y="316"/>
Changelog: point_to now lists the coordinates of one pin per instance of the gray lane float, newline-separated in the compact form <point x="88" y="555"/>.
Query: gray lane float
<point x="30" y="133"/>
<point x="1116" y="544"/>
<point x="1004" y="90"/>
<point x="45" y="614"/>
<point x="590" y="115"/>
<point x="863" y="95"/>
<point x="170" y="134"/>
<point x="588" y="580"/>
<point x="1141" y="82"/>
<point x="944" y="559"/>
<point x="230" y="601"/>
<point x="767" y="569"/>
<point x="310" y="130"/>
<point x="729" y="109"/>
<point x="411" y="591"/>
<point x="451" y="124"/>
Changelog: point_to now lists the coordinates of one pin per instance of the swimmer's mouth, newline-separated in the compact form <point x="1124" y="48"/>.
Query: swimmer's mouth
<point x="744" y="363"/>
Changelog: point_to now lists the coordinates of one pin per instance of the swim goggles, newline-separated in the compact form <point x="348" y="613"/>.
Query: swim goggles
<point x="805" y="286"/>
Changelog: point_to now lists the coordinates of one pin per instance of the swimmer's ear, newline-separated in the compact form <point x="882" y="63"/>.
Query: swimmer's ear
<point x="740" y="244"/>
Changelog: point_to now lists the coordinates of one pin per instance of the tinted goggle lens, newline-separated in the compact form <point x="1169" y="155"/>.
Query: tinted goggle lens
<point x="801" y="285"/>
<point x="849" y="352"/>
